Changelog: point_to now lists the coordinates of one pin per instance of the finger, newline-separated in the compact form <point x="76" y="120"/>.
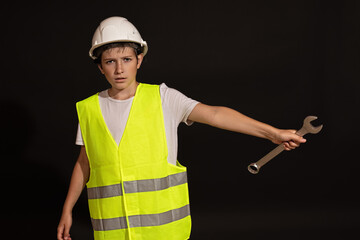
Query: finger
<point x="296" y="137"/>
<point x="289" y="146"/>
<point x="300" y="140"/>
<point x="286" y="146"/>
<point x="293" y="144"/>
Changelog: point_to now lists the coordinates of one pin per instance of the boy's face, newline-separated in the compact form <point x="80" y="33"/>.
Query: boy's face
<point x="120" y="65"/>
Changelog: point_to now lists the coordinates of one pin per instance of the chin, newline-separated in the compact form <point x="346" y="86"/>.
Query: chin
<point x="120" y="83"/>
<point x="121" y="86"/>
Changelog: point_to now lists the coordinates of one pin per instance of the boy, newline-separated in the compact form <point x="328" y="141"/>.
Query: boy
<point x="136" y="188"/>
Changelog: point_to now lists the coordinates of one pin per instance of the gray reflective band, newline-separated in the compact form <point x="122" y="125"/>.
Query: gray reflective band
<point x="137" y="186"/>
<point x="156" y="184"/>
<point x="109" y="224"/>
<point x="104" y="192"/>
<point x="148" y="220"/>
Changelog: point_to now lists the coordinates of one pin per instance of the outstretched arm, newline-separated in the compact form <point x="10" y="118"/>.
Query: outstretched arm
<point x="229" y="119"/>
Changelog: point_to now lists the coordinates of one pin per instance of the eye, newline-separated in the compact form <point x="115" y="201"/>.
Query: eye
<point x="127" y="59"/>
<point x="109" y="61"/>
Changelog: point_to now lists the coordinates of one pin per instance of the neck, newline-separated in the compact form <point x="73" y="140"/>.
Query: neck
<point x="123" y="94"/>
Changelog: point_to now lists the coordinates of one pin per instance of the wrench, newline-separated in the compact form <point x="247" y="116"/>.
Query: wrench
<point x="306" y="128"/>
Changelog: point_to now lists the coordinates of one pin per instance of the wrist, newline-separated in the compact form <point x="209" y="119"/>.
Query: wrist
<point x="67" y="210"/>
<point x="271" y="132"/>
<point x="66" y="214"/>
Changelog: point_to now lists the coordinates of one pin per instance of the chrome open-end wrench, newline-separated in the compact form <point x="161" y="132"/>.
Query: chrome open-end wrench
<point x="306" y="128"/>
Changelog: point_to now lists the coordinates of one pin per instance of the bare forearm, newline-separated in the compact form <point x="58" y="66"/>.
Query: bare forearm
<point x="79" y="178"/>
<point x="229" y="119"/>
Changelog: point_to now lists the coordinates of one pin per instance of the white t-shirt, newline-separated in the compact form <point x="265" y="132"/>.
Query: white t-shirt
<point x="176" y="109"/>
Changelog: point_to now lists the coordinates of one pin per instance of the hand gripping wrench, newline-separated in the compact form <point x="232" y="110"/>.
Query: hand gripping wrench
<point x="306" y="128"/>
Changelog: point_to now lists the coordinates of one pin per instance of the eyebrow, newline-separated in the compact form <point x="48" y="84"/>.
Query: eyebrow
<point x="110" y="58"/>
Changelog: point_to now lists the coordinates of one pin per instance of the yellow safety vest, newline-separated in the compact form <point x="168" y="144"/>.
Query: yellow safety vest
<point x="133" y="192"/>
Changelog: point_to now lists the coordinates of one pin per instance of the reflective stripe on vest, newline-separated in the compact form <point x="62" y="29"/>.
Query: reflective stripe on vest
<point x="133" y="192"/>
<point x="141" y="220"/>
<point x="137" y="186"/>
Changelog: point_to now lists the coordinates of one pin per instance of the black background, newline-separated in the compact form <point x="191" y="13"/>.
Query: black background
<point x="275" y="61"/>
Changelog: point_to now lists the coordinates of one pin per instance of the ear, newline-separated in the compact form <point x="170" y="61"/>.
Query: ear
<point x="140" y="58"/>
<point x="100" y="68"/>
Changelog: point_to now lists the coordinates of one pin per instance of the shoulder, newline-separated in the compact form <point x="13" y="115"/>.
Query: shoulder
<point x="172" y="93"/>
<point x="176" y="104"/>
<point x="166" y="92"/>
<point x="90" y="100"/>
<point x="162" y="87"/>
<point x="174" y="98"/>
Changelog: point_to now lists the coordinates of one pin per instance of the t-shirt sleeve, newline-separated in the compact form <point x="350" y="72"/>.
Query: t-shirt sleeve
<point x="79" y="139"/>
<point x="177" y="104"/>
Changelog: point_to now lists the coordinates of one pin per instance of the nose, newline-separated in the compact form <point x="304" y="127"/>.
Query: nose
<point x="119" y="68"/>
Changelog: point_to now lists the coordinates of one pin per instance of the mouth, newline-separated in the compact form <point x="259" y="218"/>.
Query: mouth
<point x="120" y="79"/>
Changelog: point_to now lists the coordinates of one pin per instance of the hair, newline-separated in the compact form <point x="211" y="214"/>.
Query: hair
<point x="98" y="51"/>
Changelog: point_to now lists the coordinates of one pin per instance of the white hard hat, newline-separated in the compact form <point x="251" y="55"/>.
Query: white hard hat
<point x="116" y="29"/>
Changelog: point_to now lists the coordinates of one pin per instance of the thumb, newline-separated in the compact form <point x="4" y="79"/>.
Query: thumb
<point x="299" y="139"/>
<point x="296" y="138"/>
